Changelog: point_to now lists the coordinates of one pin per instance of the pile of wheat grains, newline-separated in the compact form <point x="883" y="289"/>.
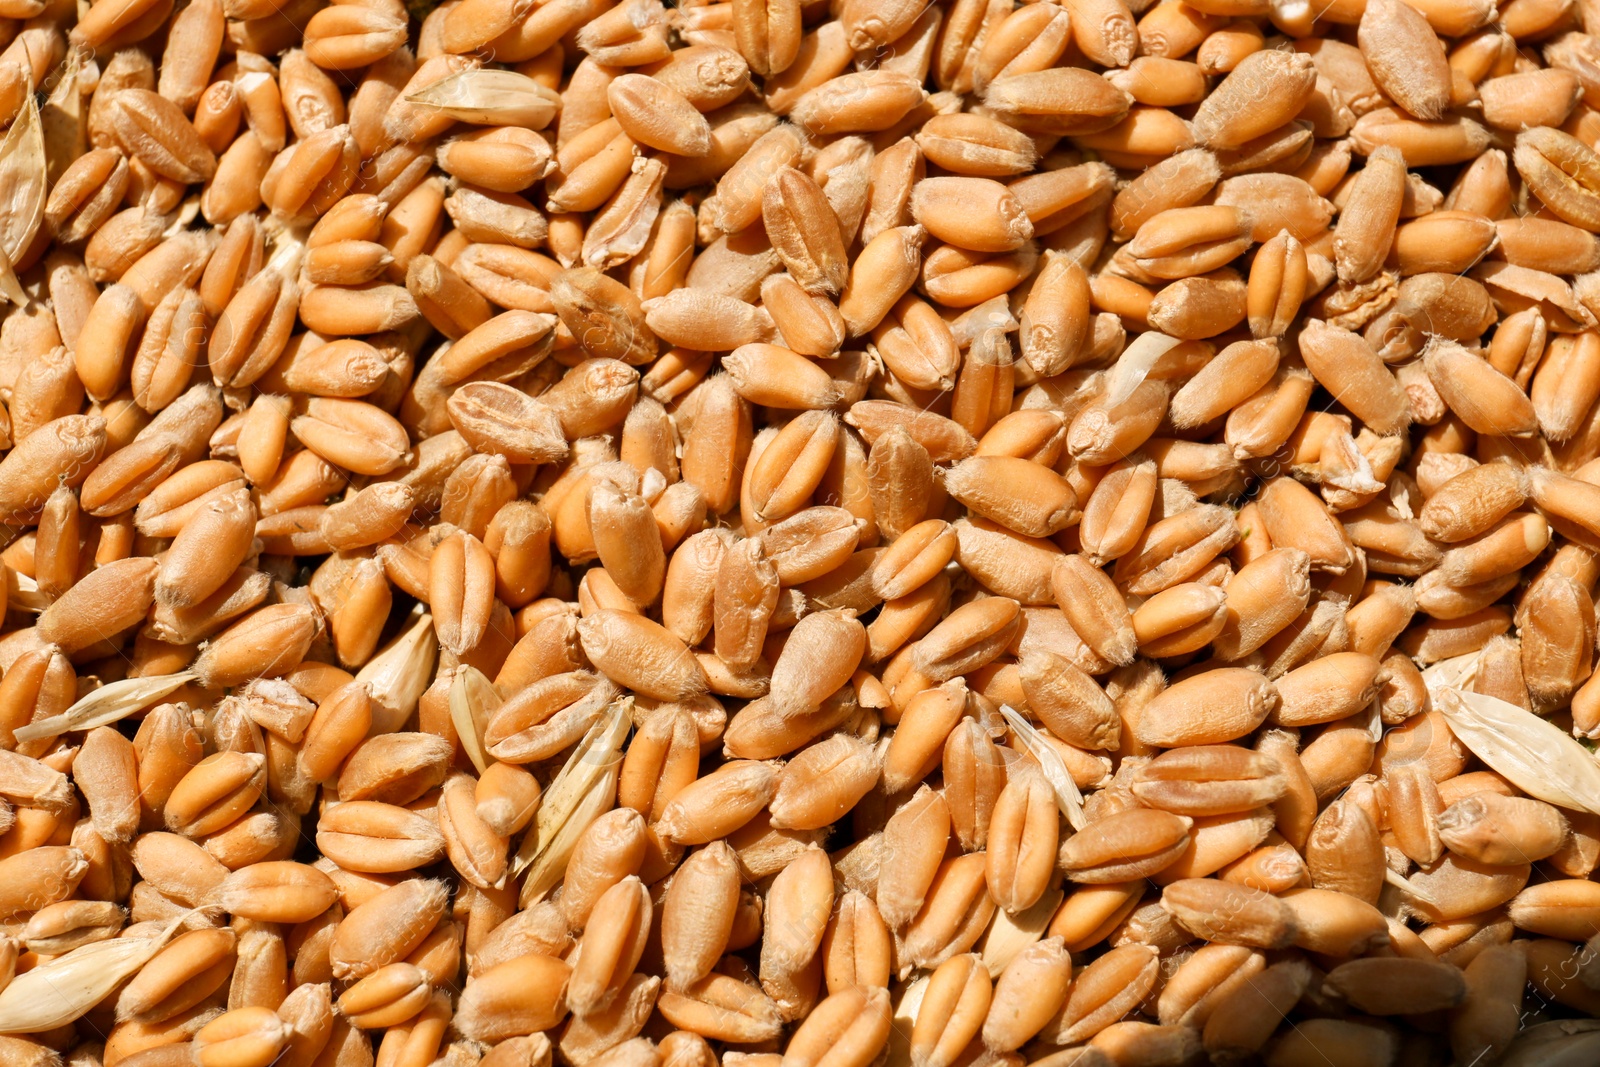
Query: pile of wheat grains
<point x="789" y="533"/>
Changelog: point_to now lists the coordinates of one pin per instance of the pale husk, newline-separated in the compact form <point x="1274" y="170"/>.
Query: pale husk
<point x="22" y="593"/>
<point x="23" y="185"/>
<point x="111" y="703"/>
<point x="1566" y="1041"/>
<point x="66" y="136"/>
<point x="1457" y="672"/>
<point x="1537" y="756"/>
<point x="1135" y="363"/>
<point x="473" y="699"/>
<point x="62" y="989"/>
<point x="490" y="97"/>
<point x="908" y="1002"/>
<point x="583" y="790"/>
<point x="1010" y="934"/>
<point x="1068" y="797"/>
<point x="1410" y="889"/>
<point x="400" y="673"/>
